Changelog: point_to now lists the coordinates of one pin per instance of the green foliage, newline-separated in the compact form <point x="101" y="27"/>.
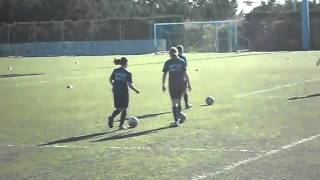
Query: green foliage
<point x="46" y="10"/>
<point x="274" y="27"/>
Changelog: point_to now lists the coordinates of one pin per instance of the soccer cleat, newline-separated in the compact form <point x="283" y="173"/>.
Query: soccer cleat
<point x="175" y="124"/>
<point x="188" y="106"/>
<point x="110" y="122"/>
<point x="122" y="127"/>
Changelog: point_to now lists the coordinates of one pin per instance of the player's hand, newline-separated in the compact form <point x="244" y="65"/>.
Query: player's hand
<point x="189" y="88"/>
<point x="164" y="88"/>
<point x="137" y="91"/>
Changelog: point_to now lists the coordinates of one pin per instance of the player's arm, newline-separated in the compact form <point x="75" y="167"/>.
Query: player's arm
<point x="164" y="76"/>
<point x="131" y="86"/>
<point x="188" y="81"/>
<point x="111" y="79"/>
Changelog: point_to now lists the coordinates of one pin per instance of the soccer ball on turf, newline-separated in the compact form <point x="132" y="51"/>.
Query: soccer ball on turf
<point x="183" y="117"/>
<point x="209" y="100"/>
<point x="69" y="86"/>
<point x="133" y="122"/>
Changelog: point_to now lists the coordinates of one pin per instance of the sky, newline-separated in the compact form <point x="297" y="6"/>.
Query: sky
<point x="243" y="6"/>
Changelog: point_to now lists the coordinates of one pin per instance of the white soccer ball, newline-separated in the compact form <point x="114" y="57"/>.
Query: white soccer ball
<point x="9" y="68"/>
<point x="69" y="86"/>
<point x="209" y="100"/>
<point x="133" y="122"/>
<point x="183" y="117"/>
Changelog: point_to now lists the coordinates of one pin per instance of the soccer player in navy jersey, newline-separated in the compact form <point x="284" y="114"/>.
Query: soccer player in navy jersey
<point x="177" y="77"/>
<point x="120" y="80"/>
<point x="182" y="56"/>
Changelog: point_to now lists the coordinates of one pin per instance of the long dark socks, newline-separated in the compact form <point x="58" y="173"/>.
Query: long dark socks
<point x="123" y="117"/>
<point x="175" y="112"/>
<point x="115" y="113"/>
<point x="186" y="99"/>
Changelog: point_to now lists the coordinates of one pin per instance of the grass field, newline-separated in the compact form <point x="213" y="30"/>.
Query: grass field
<point x="265" y="123"/>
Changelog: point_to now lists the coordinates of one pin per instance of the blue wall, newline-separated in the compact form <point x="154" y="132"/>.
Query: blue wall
<point x="85" y="48"/>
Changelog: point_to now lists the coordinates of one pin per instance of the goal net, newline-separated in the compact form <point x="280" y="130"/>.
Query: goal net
<point x="206" y="36"/>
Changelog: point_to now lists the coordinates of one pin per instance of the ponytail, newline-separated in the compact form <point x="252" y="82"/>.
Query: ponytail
<point x="122" y="61"/>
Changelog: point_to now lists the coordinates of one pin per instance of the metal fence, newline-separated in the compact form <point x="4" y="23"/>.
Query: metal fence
<point x="82" y="30"/>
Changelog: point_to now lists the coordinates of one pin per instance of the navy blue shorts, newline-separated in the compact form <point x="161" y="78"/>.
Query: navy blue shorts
<point x="176" y="91"/>
<point x="121" y="100"/>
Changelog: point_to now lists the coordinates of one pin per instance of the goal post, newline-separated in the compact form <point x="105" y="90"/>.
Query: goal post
<point x="199" y="36"/>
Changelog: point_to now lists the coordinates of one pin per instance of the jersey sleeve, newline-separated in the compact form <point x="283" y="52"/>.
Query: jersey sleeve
<point x="185" y="65"/>
<point x="165" y="67"/>
<point x="112" y="75"/>
<point x="129" y="78"/>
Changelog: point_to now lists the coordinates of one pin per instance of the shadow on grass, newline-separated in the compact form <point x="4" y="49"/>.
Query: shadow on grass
<point x="125" y="136"/>
<point x="19" y="75"/>
<point x="304" y="97"/>
<point x="76" y="138"/>
<point x="205" y="105"/>
<point x="151" y="115"/>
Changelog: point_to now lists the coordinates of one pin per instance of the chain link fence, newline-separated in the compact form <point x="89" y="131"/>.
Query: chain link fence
<point x="82" y="30"/>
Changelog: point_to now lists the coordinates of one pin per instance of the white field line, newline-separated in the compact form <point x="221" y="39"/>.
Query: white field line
<point x="277" y="87"/>
<point x="59" y="79"/>
<point x="136" y="148"/>
<point x="255" y="158"/>
<point x="49" y="146"/>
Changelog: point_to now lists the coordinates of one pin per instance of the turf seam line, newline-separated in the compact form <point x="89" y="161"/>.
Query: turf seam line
<point x="255" y="158"/>
<point x="277" y="87"/>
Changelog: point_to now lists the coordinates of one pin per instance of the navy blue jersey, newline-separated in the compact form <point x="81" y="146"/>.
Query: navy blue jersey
<point x="121" y="77"/>
<point x="184" y="58"/>
<point x="177" y="70"/>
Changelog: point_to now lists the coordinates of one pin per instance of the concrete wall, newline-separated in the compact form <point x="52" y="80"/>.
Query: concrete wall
<point x="84" y="48"/>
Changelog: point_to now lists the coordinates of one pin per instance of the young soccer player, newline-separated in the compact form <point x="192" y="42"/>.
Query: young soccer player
<point x="120" y="80"/>
<point x="182" y="56"/>
<point x="177" y="77"/>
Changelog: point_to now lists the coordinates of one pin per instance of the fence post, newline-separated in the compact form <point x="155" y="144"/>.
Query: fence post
<point x="8" y="26"/>
<point x="62" y="29"/>
<point x="34" y="31"/>
<point x="92" y="34"/>
<point x="120" y="29"/>
<point x="217" y="38"/>
<point x="305" y="25"/>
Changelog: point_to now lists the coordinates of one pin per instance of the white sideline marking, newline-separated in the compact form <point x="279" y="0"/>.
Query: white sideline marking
<point x="138" y="148"/>
<point x="45" y="146"/>
<point x="55" y="80"/>
<point x="276" y="88"/>
<point x="255" y="158"/>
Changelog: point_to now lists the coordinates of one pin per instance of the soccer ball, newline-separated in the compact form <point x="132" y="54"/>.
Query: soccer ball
<point x="183" y="117"/>
<point x="69" y="86"/>
<point x="9" y="68"/>
<point x="209" y="100"/>
<point x="133" y="122"/>
<point x="288" y="58"/>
